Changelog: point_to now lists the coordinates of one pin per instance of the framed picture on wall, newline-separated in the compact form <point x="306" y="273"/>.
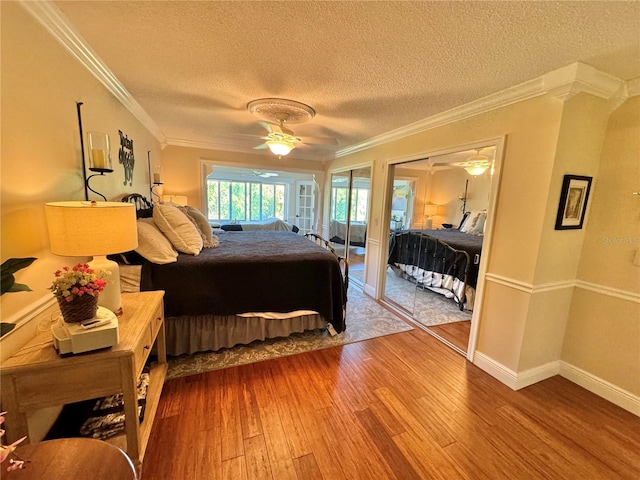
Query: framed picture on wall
<point x="573" y="202"/>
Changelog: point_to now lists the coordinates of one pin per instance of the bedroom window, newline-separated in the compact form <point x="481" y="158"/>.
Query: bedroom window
<point x="229" y="200"/>
<point x="359" y="204"/>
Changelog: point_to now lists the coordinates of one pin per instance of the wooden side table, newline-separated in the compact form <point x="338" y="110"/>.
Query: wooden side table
<point x="36" y="376"/>
<point x="72" y="459"/>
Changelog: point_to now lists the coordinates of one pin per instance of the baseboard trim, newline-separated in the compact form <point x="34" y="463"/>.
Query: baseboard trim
<point x="369" y="290"/>
<point x="610" y="392"/>
<point x="602" y="388"/>
<point x="495" y="369"/>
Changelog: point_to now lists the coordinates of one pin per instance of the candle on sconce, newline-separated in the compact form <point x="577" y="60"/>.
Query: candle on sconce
<point x="156" y="178"/>
<point x="98" y="158"/>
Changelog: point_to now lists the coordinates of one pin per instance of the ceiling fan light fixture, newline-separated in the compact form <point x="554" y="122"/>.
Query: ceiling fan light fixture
<point x="476" y="169"/>
<point x="280" y="147"/>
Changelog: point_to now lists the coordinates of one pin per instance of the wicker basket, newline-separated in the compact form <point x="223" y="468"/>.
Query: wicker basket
<point x="79" y="309"/>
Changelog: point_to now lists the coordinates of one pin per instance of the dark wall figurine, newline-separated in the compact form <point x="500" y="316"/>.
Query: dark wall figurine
<point x="125" y="156"/>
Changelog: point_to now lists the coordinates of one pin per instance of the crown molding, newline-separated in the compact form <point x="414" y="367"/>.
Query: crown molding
<point x="563" y="83"/>
<point x="59" y="27"/>
<point x="568" y="81"/>
<point x="633" y="87"/>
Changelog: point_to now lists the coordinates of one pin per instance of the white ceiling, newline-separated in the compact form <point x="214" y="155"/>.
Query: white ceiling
<point x="367" y="68"/>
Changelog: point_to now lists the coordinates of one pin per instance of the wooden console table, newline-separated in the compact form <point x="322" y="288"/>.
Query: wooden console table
<point x="36" y="376"/>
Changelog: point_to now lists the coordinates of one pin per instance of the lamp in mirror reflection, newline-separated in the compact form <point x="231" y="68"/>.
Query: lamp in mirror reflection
<point x="430" y="209"/>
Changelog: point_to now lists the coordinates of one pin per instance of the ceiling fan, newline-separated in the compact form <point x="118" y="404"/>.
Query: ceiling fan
<point x="263" y="174"/>
<point x="477" y="164"/>
<point x="276" y="112"/>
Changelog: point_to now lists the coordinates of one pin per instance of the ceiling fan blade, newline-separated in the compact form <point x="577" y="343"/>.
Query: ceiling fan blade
<point x="268" y="126"/>
<point x="261" y="147"/>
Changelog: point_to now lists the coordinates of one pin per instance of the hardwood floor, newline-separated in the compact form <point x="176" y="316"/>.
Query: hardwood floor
<point x="457" y="333"/>
<point x="404" y="406"/>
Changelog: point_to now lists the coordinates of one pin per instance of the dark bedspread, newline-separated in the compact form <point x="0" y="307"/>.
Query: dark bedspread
<point x="417" y="247"/>
<point x="255" y="271"/>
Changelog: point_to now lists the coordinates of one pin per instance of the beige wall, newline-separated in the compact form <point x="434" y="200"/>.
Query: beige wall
<point x="603" y="330"/>
<point x="41" y="155"/>
<point x="182" y="171"/>
<point x="448" y="185"/>
<point x="531" y="316"/>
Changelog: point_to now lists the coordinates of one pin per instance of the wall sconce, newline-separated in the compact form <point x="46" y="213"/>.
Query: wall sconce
<point x="157" y="181"/>
<point x="430" y="209"/>
<point x="99" y="150"/>
<point x="463" y="196"/>
<point x="99" y="157"/>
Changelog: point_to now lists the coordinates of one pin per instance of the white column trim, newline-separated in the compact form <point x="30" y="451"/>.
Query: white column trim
<point x="550" y="286"/>
<point x="609" y="291"/>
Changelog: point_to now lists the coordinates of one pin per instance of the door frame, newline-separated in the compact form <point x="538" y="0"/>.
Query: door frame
<point x="499" y="143"/>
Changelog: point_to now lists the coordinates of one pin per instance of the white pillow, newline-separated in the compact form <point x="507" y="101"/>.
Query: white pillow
<point x="153" y="245"/>
<point x="474" y="223"/>
<point x="180" y="231"/>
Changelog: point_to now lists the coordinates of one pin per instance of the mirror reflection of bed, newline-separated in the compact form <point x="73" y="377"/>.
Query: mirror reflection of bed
<point x="437" y="220"/>
<point x="350" y="200"/>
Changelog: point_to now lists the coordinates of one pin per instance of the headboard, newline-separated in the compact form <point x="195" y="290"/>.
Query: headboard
<point x="144" y="208"/>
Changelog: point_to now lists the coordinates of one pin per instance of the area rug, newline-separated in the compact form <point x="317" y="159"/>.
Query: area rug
<point x="365" y="319"/>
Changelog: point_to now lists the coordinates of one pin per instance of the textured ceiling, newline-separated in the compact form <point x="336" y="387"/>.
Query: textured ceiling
<point x="367" y="68"/>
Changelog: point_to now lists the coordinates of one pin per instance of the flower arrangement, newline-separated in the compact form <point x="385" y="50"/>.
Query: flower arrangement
<point x="8" y="451"/>
<point x="77" y="281"/>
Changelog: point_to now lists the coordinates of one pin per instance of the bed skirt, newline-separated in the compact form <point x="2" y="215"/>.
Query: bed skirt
<point x="203" y="333"/>
<point x="447" y="285"/>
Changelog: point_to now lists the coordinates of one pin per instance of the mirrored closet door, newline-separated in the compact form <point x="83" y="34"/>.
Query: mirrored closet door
<point x="436" y="223"/>
<point x="350" y="195"/>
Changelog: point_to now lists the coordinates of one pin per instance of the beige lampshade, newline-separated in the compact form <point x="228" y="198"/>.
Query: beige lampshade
<point x="431" y="209"/>
<point x="91" y="228"/>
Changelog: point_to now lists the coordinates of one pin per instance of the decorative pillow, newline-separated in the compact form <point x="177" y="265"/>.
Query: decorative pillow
<point x="153" y="245"/>
<point x="474" y="223"/>
<point x="177" y="227"/>
<point x="209" y="240"/>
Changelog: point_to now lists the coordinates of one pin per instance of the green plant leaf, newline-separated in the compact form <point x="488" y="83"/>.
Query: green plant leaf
<point x="20" y="287"/>
<point x="8" y="268"/>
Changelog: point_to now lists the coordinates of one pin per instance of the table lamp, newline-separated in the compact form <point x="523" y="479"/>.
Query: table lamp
<point x="430" y="210"/>
<point x="81" y="228"/>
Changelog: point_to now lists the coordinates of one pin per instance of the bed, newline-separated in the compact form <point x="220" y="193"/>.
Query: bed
<point x="444" y="261"/>
<point x="267" y="224"/>
<point x="338" y="233"/>
<point x="252" y="286"/>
